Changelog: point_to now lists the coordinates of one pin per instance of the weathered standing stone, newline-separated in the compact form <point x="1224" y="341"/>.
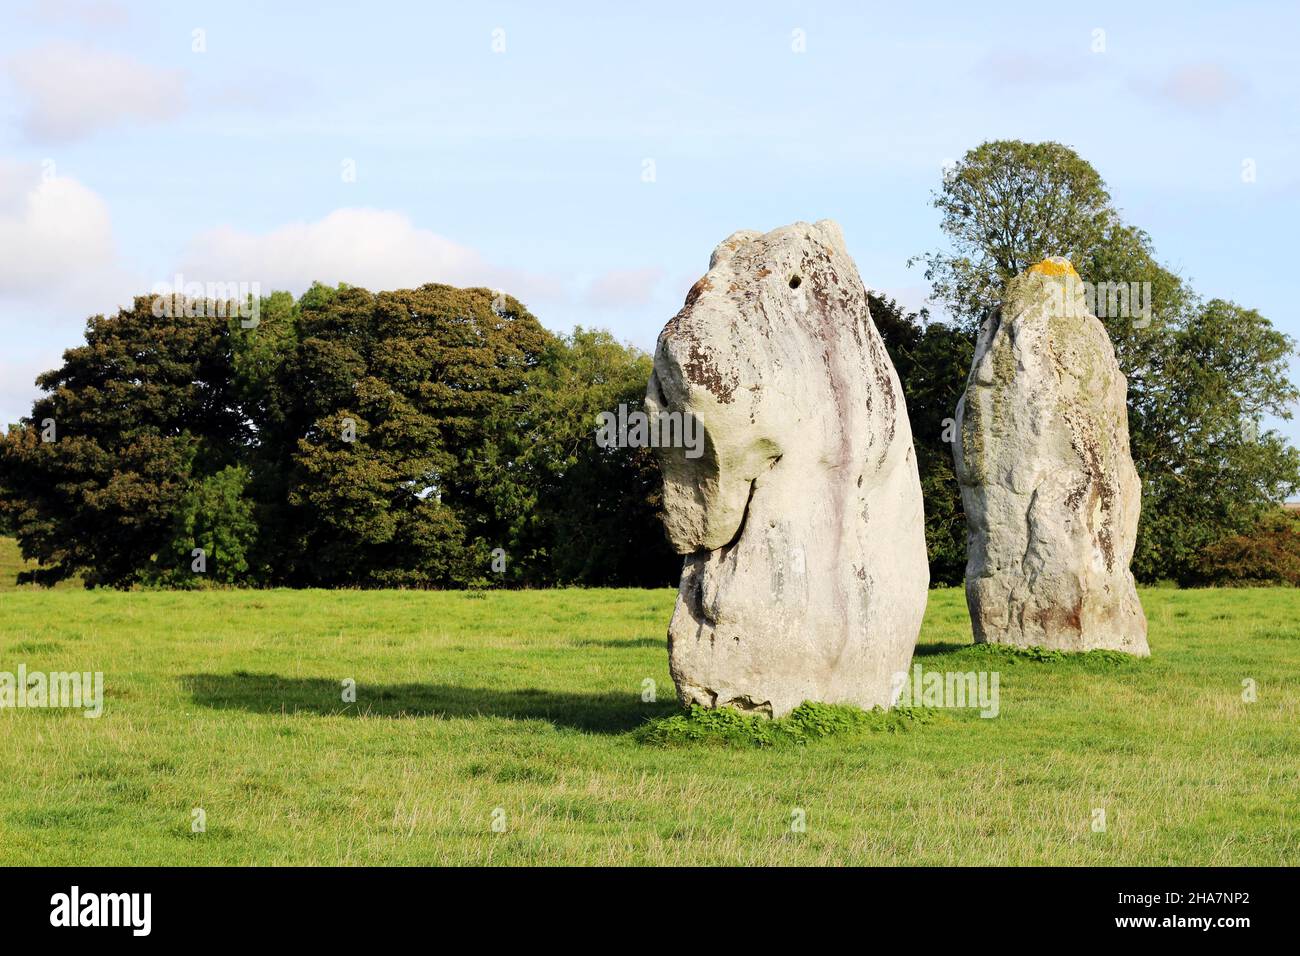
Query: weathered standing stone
<point x="806" y="573"/>
<point x="1047" y="480"/>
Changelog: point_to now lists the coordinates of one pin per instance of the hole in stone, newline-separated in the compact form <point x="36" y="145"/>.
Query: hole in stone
<point x="794" y="282"/>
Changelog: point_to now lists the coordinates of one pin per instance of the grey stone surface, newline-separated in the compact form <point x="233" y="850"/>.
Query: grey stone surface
<point x="1047" y="479"/>
<point x="805" y="575"/>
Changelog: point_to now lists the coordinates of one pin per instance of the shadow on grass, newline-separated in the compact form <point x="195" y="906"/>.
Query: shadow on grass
<point x="609" y="713"/>
<point x="624" y="645"/>
<point x="926" y="650"/>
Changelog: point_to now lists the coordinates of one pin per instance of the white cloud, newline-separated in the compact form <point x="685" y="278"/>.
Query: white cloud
<point x="624" y="288"/>
<point x="374" y="248"/>
<point x="75" y="90"/>
<point x="58" y="264"/>
<point x="56" y="241"/>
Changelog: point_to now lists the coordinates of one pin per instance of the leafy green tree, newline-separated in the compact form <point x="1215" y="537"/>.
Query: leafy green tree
<point x="391" y="396"/>
<point x="93" y="479"/>
<point x="578" y="513"/>
<point x="1268" y="553"/>
<point x="932" y="359"/>
<point x="1005" y="206"/>
<point x="259" y="356"/>
<point x="1208" y="470"/>
<point x="217" y="516"/>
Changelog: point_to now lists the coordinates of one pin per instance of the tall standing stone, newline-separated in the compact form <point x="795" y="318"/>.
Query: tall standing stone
<point x="1047" y="480"/>
<point x="805" y="575"/>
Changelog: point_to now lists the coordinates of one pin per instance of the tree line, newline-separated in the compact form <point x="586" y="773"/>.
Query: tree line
<point x="441" y="437"/>
<point x="431" y="437"/>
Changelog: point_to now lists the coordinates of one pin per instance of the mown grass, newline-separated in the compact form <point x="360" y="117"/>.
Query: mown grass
<point x="527" y="708"/>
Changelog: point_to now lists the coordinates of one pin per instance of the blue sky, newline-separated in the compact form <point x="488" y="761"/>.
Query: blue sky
<point x="509" y="146"/>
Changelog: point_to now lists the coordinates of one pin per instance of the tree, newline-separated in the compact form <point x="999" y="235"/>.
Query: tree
<point x="1268" y="553"/>
<point x="216" y="516"/>
<point x="259" y="356"/>
<point x="1005" y="206"/>
<point x="131" y="421"/>
<point x="391" y="396"/>
<point x="1208" y="470"/>
<point x="578" y="513"/>
<point x="932" y="359"/>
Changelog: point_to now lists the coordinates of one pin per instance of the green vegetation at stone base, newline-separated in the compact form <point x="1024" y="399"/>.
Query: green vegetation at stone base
<point x="808" y="722"/>
<point x="1006" y="654"/>
<point x="812" y="721"/>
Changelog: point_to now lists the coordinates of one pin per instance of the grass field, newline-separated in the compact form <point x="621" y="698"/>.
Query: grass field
<point x="524" y="708"/>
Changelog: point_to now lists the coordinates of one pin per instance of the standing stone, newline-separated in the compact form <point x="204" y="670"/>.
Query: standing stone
<point x="1047" y="481"/>
<point x="805" y="575"/>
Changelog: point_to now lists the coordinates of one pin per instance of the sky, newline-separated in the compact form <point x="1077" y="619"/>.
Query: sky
<point x="587" y="158"/>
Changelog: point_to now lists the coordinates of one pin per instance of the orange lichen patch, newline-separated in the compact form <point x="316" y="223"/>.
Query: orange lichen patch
<point x="702" y="285"/>
<point x="1049" y="267"/>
